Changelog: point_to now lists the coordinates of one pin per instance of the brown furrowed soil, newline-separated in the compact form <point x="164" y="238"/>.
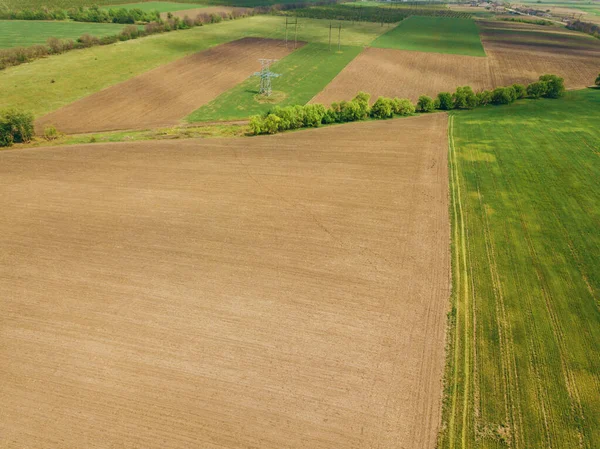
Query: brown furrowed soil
<point x="517" y="53"/>
<point x="165" y="95"/>
<point x="405" y="74"/>
<point x="273" y="292"/>
<point x="520" y="53"/>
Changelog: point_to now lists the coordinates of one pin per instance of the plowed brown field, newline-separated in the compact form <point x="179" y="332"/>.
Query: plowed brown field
<point x="520" y="53"/>
<point x="165" y="95"/>
<point x="273" y="292"/>
<point x="405" y="74"/>
<point x="517" y="53"/>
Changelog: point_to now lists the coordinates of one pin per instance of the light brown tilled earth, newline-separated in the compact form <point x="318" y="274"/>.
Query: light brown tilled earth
<point x="165" y="95"/>
<point x="274" y="292"/>
<point x="516" y="53"/>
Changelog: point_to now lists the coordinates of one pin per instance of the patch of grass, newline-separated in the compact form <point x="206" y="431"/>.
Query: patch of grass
<point x="434" y="34"/>
<point x="157" y="6"/>
<point x="524" y="343"/>
<point x="47" y="84"/>
<point x="304" y="73"/>
<point x="176" y="132"/>
<point x="23" y="33"/>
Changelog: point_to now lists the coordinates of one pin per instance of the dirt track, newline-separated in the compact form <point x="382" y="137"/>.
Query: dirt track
<point x="517" y="53"/>
<point x="274" y="292"/>
<point x="165" y="95"/>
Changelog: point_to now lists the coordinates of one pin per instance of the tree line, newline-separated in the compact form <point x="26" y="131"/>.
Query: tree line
<point x="20" y="55"/>
<point x="83" y="14"/>
<point x="281" y="119"/>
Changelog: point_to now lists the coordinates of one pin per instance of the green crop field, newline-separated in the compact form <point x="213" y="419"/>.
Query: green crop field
<point x="434" y="34"/>
<point x="524" y="342"/>
<point x="157" y="6"/>
<point x="47" y="84"/>
<point x="304" y="73"/>
<point x="23" y="33"/>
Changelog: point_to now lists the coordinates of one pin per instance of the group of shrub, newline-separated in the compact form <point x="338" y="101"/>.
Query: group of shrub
<point x="312" y="115"/>
<point x="589" y="28"/>
<point x="15" y="127"/>
<point x="20" y="55"/>
<point x="83" y="14"/>
<point x="548" y="86"/>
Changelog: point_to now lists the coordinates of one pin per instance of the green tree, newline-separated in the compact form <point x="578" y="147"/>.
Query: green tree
<point x="362" y="99"/>
<point x="502" y="95"/>
<point x="445" y="102"/>
<point x="464" y="98"/>
<point x="271" y="124"/>
<point x="598" y="81"/>
<point x="313" y="115"/>
<point x="556" y="85"/>
<point x="537" y="89"/>
<point x="15" y="127"/>
<point x="402" y="106"/>
<point x="425" y="104"/>
<point x="484" y="97"/>
<point x="256" y="125"/>
<point x="382" y="108"/>
<point x="520" y="90"/>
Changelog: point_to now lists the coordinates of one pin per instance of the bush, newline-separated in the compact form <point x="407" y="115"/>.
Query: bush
<point x="402" y="106"/>
<point x="555" y="85"/>
<point x="484" y="97"/>
<point x="15" y="126"/>
<point x="503" y="95"/>
<point x="537" y="89"/>
<point x="597" y="82"/>
<point x="425" y="104"/>
<point x="520" y="90"/>
<point x="382" y="108"/>
<point x="51" y="133"/>
<point x="271" y="124"/>
<point x="313" y="115"/>
<point x="464" y="98"/>
<point x="256" y="124"/>
<point x="362" y="99"/>
<point x="444" y="101"/>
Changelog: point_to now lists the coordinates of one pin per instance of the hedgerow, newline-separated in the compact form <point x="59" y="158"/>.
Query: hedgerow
<point x="313" y="115"/>
<point x="20" y="55"/>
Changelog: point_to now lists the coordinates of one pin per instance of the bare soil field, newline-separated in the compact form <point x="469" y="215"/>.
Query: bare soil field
<point x="522" y="52"/>
<point x="163" y="96"/>
<point x="273" y="292"/>
<point x="517" y="53"/>
<point x="192" y="13"/>
<point x="405" y="74"/>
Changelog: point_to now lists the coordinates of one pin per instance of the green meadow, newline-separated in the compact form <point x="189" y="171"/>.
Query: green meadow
<point x="23" y="33"/>
<point x="523" y="365"/>
<point x="434" y="34"/>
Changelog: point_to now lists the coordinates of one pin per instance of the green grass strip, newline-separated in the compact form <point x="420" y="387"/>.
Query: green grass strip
<point x="434" y="35"/>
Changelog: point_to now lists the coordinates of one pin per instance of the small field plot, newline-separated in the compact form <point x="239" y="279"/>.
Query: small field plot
<point x="434" y="34"/>
<point x="405" y="74"/>
<point x="521" y="52"/>
<point x="23" y="33"/>
<point x="166" y="95"/>
<point x="304" y="73"/>
<point x="274" y="292"/>
<point x="157" y="6"/>
<point x="524" y="357"/>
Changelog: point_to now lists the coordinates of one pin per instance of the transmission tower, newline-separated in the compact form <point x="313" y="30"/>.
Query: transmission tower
<point x="265" y="76"/>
